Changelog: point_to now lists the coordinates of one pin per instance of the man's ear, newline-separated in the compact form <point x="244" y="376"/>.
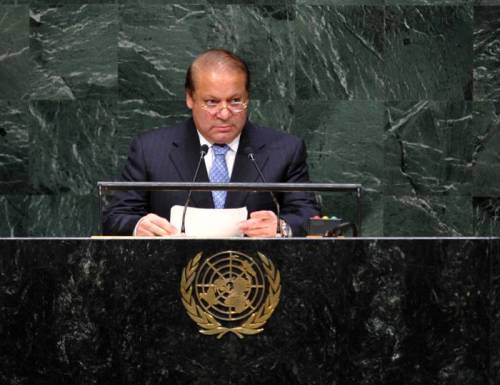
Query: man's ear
<point x="189" y="100"/>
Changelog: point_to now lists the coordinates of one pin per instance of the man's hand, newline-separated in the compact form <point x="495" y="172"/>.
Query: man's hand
<point x="153" y="225"/>
<point x="261" y="224"/>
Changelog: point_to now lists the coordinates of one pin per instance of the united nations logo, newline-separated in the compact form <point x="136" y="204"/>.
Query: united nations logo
<point x="230" y="292"/>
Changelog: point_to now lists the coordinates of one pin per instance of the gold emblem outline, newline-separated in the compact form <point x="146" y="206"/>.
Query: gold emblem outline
<point x="208" y="324"/>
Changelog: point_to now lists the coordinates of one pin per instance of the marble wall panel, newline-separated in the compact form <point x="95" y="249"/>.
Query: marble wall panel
<point x="428" y="53"/>
<point x="339" y="52"/>
<point x="436" y="151"/>
<point x="156" y="45"/>
<point x="14" y="131"/>
<point x="429" y="148"/>
<point x="486" y="53"/>
<point x="345" y="145"/>
<point x="486" y="166"/>
<point x="263" y="36"/>
<point x="208" y="2"/>
<point x="14" y="215"/>
<point x="75" y="48"/>
<point x="345" y="140"/>
<point x="340" y="2"/>
<point x="416" y="54"/>
<point x="152" y="2"/>
<point x="427" y="215"/>
<point x="72" y="145"/>
<point x="63" y="215"/>
<point x="156" y="2"/>
<point x="273" y="113"/>
<point x="152" y="67"/>
<point x="15" y="69"/>
<point x="58" y="3"/>
<point x="250" y="2"/>
<point x="486" y="216"/>
<point x="429" y="2"/>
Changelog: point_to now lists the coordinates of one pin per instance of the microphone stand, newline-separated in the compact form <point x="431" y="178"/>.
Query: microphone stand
<point x="203" y="152"/>
<point x="276" y="203"/>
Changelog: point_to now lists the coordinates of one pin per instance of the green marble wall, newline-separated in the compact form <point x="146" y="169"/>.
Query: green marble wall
<point x="400" y="95"/>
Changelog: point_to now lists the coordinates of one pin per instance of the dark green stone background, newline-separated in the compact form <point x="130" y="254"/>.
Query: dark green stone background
<point x="400" y="95"/>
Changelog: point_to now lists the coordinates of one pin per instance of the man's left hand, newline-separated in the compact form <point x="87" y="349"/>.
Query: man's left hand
<point x="261" y="224"/>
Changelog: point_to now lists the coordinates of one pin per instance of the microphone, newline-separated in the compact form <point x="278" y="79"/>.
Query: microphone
<point x="203" y="152"/>
<point x="249" y="151"/>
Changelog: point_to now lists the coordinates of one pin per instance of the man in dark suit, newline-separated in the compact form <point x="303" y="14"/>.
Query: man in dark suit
<point x="217" y="92"/>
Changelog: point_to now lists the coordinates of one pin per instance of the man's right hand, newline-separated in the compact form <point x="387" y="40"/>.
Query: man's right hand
<point x="152" y="225"/>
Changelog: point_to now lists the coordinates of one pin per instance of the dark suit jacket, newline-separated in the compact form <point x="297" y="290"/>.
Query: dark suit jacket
<point x="171" y="154"/>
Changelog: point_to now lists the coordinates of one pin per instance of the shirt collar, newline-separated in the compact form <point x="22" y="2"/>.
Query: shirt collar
<point x="233" y="146"/>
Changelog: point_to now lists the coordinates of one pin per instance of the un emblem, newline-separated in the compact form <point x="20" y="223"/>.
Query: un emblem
<point x="230" y="292"/>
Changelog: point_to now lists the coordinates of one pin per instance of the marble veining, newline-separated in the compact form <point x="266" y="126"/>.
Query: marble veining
<point x="486" y="159"/>
<point x="15" y="71"/>
<point x="351" y="312"/>
<point x="486" y="215"/>
<point x="75" y="47"/>
<point x="399" y="95"/>
<point x="340" y="52"/>
<point x="339" y="135"/>
<point x="427" y="53"/>
<point x="428" y="215"/>
<point x="429" y="147"/>
<point x="14" y="147"/>
<point x="74" y="151"/>
<point x="486" y="53"/>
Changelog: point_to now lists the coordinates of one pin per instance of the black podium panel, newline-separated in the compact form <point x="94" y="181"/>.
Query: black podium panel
<point x="366" y="311"/>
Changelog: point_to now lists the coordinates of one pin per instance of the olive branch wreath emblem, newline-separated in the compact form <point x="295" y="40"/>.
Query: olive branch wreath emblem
<point x="208" y="324"/>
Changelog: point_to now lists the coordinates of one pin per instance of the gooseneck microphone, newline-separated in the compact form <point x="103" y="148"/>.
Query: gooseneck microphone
<point x="249" y="151"/>
<point x="203" y="152"/>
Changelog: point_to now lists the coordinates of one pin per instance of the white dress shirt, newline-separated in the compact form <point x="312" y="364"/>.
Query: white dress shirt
<point x="230" y="155"/>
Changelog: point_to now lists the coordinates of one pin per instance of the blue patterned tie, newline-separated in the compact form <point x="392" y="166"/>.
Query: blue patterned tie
<point x="219" y="174"/>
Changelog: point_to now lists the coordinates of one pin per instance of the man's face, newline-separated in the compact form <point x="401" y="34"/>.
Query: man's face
<point x="218" y="87"/>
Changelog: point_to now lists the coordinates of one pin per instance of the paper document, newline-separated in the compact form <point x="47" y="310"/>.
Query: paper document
<point x="209" y="223"/>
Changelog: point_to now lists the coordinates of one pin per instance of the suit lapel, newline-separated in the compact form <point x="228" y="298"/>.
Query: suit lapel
<point x="184" y="156"/>
<point x="186" y="152"/>
<point x="244" y="170"/>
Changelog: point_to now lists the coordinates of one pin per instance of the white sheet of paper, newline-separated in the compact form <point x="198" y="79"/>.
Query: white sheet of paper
<point x="209" y="223"/>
